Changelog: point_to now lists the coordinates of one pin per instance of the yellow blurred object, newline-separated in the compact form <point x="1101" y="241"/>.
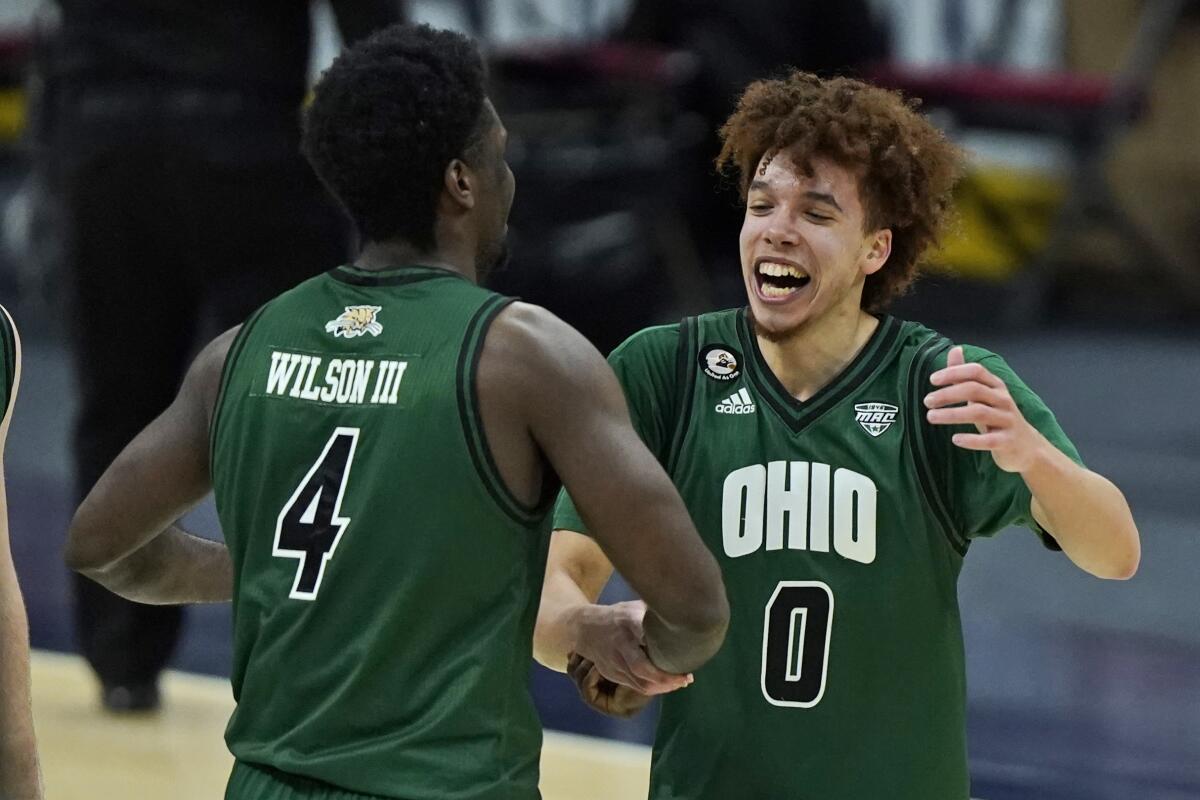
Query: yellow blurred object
<point x="12" y="115"/>
<point x="1005" y="217"/>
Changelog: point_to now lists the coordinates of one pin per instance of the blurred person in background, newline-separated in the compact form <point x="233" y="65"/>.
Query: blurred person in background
<point x="170" y="138"/>
<point x="839" y="462"/>
<point x="382" y="644"/>
<point x="736" y="43"/>
<point x="20" y="778"/>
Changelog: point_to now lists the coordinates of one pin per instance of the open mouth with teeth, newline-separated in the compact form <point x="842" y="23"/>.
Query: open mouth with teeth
<point x="777" y="280"/>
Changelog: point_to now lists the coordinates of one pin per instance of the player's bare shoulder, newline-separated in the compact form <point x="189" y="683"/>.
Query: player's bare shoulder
<point x="203" y="380"/>
<point x="529" y="349"/>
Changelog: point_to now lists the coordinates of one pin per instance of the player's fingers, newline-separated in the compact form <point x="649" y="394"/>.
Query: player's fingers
<point x="955" y="357"/>
<point x="974" y="414"/>
<point x="967" y="392"/>
<point x="578" y="668"/>
<point x="653" y="679"/>
<point x="978" y="441"/>
<point x="626" y="702"/>
<point x="965" y="372"/>
<point x="638" y="672"/>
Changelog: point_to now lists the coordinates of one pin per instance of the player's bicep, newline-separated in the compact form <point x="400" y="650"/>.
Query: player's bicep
<point x="623" y="496"/>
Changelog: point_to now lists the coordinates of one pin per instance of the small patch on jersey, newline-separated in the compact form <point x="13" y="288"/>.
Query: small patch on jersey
<point x="875" y="418"/>
<point x="355" y="321"/>
<point x="739" y="402"/>
<point x="720" y="362"/>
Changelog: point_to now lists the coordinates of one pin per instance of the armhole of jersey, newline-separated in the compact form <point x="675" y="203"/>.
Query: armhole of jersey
<point x="685" y="387"/>
<point x="235" y="350"/>
<point x="922" y="445"/>
<point x="472" y="421"/>
<point x="8" y="346"/>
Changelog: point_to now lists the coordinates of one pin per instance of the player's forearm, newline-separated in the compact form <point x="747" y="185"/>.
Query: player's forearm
<point x="19" y="774"/>
<point x="560" y="615"/>
<point x="1087" y="515"/>
<point x="172" y="568"/>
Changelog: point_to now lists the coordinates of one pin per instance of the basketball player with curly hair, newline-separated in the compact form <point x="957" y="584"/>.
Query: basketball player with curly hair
<point x="838" y="462"/>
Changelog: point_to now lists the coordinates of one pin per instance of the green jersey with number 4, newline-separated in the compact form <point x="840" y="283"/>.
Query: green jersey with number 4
<point x="840" y="524"/>
<point x="386" y="581"/>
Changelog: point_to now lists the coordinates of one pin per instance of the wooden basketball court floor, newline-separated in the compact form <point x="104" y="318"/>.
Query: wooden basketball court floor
<point x="179" y="753"/>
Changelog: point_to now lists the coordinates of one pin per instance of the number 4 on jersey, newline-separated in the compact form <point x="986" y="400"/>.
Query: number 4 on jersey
<point x="310" y="526"/>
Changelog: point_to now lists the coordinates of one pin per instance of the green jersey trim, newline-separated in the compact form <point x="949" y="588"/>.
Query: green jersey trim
<point x="685" y="388"/>
<point x="798" y="414"/>
<point x="356" y="276"/>
<point x="235" y="349"/>
<point x="919" y="431"/>
<point x="8" y="347"/>
<point x="472" y="421"/>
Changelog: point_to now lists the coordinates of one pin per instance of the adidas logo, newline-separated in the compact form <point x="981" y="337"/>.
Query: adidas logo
<point x="737" y="403"/>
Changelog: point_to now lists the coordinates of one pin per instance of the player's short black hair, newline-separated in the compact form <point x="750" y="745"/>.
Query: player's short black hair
<point x="386" y="118"/>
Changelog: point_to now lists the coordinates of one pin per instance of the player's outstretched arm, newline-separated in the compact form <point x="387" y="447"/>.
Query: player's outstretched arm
<point x="124" y="536"/>
<point x="570" y="623"/>
<point x="1085" y="512"/>
<point x="20" y="777"/>
<point x="574" y="409"/>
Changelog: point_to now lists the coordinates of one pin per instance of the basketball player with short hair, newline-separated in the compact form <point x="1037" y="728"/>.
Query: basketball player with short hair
<point x="839" y="462"/>
<point x="20" y="778"/>
<point x="384" y="442"/>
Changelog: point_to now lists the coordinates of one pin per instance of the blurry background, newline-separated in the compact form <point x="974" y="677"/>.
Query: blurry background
<point x="1077" y="258"/>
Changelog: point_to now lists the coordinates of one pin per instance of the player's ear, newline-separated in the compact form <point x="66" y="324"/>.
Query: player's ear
<point x="459" y="183"/>
<point x="876" y="250"/>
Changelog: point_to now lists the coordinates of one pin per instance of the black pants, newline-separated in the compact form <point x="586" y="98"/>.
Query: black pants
<point x="183" y="212"/>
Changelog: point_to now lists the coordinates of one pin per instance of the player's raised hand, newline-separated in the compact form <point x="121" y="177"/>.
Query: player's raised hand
<point x="602" y="694"/>
<point x="611" y="638"/>
<point x="971" y="395"/>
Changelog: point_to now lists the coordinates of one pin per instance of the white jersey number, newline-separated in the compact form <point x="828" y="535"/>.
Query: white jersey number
<point x="310" y="525"/>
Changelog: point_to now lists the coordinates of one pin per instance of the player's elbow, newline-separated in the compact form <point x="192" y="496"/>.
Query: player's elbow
<point x="1121" y="558"/>
<point x="1123" y="565"/>
<point x="86" y="551"/>
<point x="707" y="616"/>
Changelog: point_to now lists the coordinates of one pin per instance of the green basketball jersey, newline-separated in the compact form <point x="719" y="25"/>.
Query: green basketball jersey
<point x="386" y="581"/>
<point x="8" y="362"/>
<point x="840" y="524"/>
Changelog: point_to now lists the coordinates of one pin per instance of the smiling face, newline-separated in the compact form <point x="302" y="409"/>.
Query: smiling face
<point x="805" y="249"/>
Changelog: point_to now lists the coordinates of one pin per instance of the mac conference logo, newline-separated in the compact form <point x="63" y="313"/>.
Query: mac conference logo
<point x="875" y="418"/>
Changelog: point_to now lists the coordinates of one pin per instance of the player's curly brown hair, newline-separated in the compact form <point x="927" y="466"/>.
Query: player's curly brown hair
<point x="908" y="168"/>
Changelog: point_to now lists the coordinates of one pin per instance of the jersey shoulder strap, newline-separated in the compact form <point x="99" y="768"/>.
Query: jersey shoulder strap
<point x="466" y="386"/>
<point x="235" y="350"/>
<point x="923" y="438"/>
<point x="684" y="389"/>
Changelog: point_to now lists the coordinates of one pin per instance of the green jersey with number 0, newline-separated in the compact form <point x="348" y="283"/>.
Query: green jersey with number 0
<point x="840" y="524"/>
<point x="386" y="581"/>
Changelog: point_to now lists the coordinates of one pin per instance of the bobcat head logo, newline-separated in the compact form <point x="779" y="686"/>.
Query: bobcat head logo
<point x="355" y="321"/>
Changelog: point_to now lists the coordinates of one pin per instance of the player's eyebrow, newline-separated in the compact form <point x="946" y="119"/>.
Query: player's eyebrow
<point x="758" y="184"/>
<point x="823" y="197"/>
